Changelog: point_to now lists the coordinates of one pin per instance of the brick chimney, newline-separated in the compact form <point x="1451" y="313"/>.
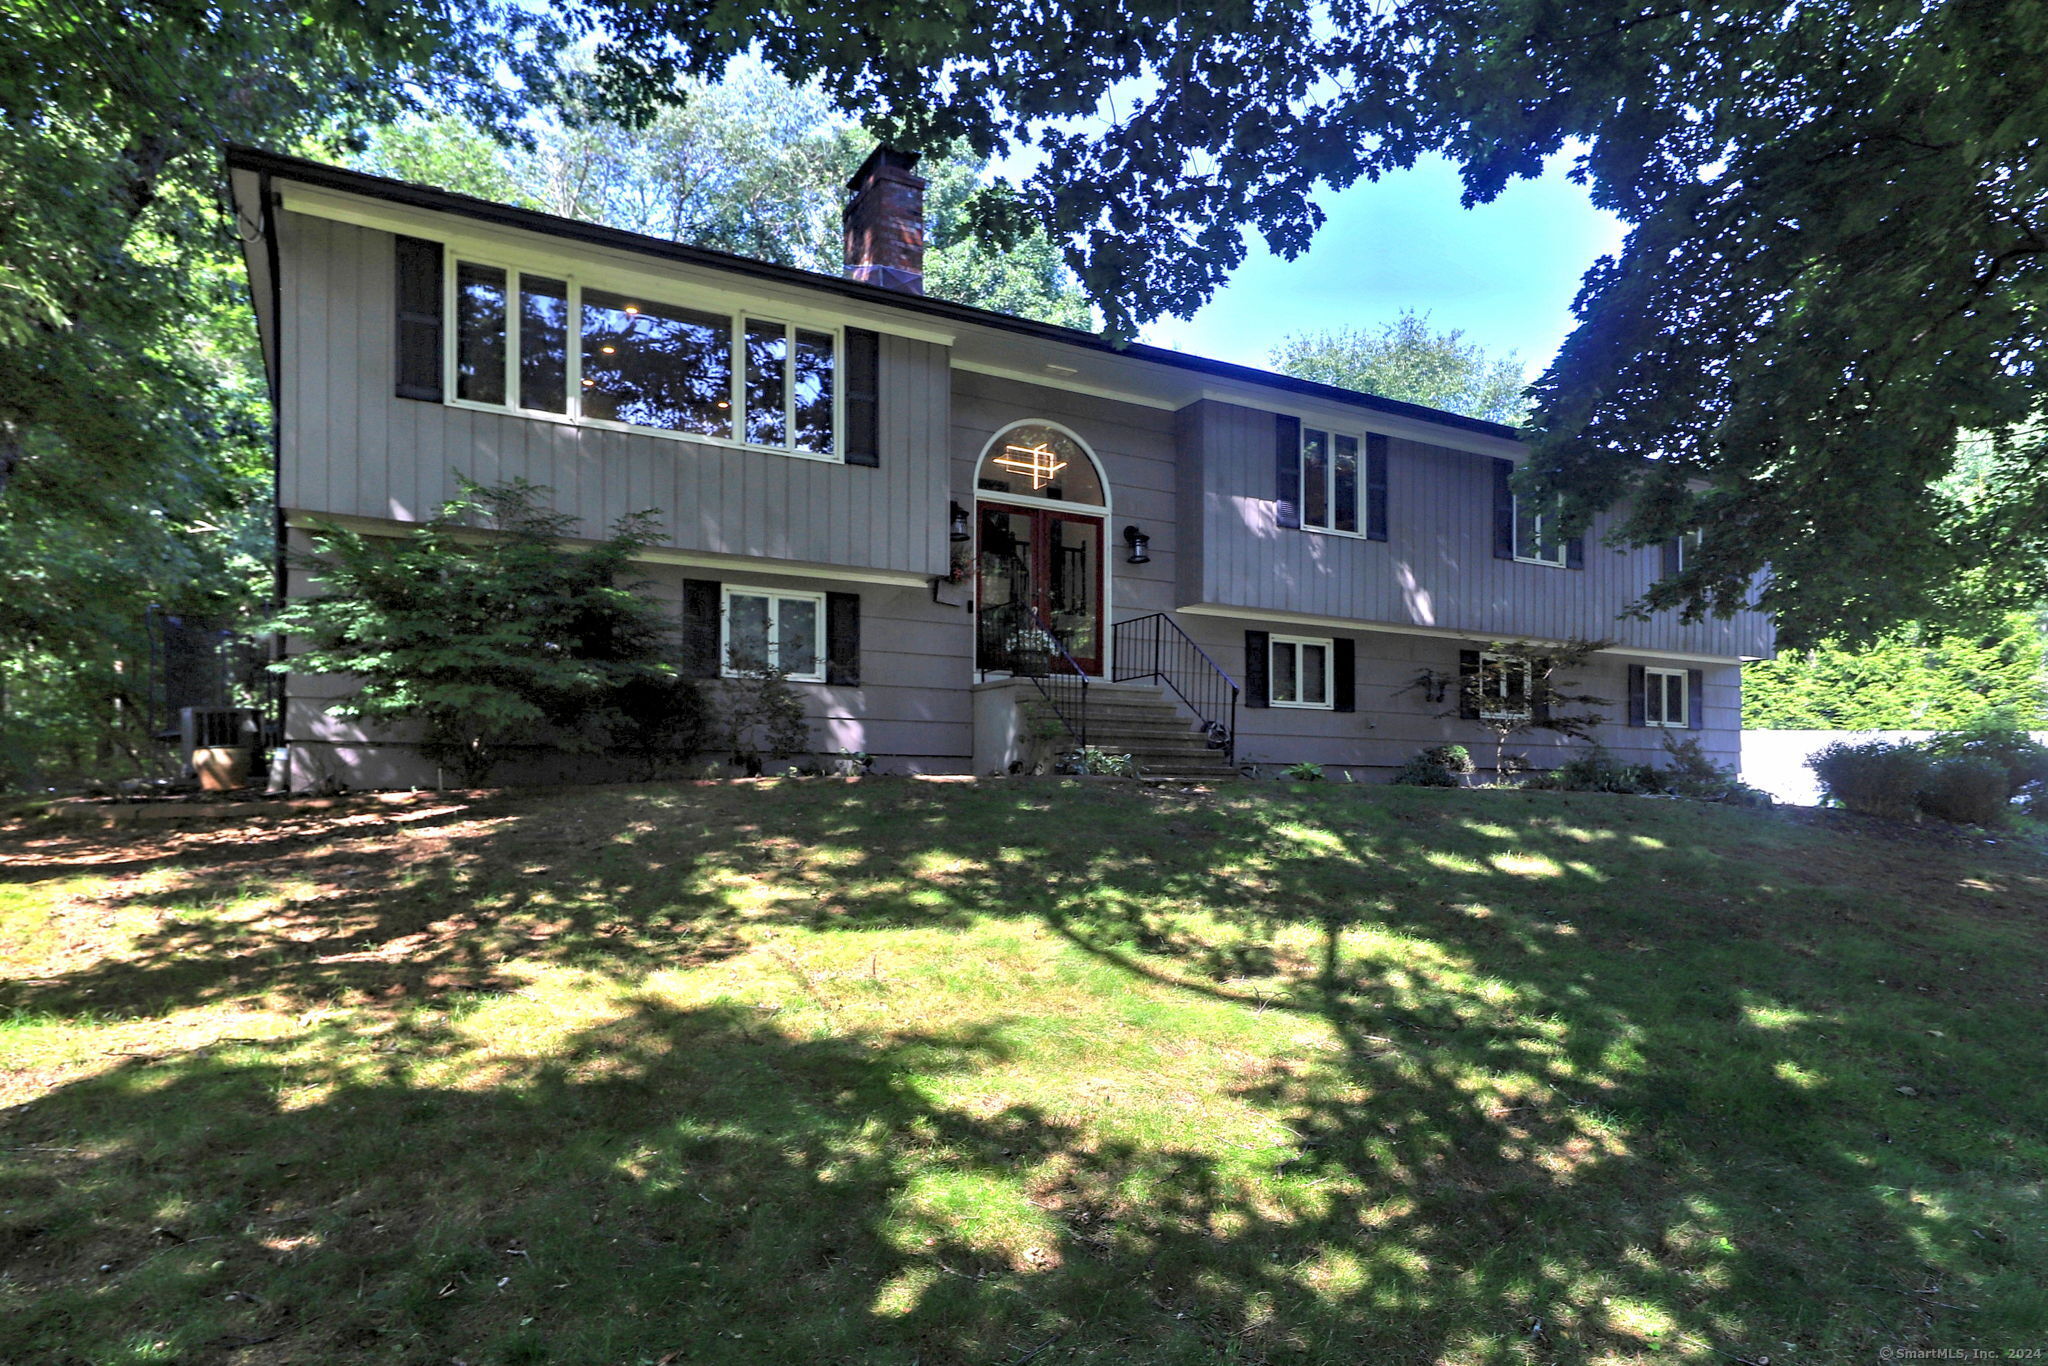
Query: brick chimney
<point x="885" y="222"/>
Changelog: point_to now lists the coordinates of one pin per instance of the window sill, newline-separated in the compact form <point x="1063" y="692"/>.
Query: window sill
<point x="787" y="678"/>
<point x="659" y="433"/>
<point x="1333" y="531"/>
<point x="1302" y="706"/>
<point x="1547" y="564"/>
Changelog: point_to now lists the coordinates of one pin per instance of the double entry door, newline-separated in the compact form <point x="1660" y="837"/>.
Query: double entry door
<point x="1039" y="572"/>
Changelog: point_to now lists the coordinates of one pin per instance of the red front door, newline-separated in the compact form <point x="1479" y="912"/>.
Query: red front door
<point x="1037" y="570"/>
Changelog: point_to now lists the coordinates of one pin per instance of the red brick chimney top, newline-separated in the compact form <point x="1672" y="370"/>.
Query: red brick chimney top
<point x="885" y="222"/>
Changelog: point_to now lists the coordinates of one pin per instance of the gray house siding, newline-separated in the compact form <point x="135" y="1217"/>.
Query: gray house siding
<point x="349" y="446"/>
<point x="1394" y="718"/>
<point x="912" y="710"/>
<point x="1436" y="570"/>
<point x="1198" y="480"/>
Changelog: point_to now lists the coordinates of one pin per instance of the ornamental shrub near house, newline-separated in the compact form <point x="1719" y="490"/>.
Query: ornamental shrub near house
<point x="1966" y="789"/>
<point x="1875" y="778"/>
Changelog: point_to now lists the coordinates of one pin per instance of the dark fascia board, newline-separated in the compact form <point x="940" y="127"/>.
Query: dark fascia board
<point x="443" y="201"/>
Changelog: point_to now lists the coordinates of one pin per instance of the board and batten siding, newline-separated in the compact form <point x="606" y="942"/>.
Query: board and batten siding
<point x="349" y="446"/>
<point x="1436" y="570"/>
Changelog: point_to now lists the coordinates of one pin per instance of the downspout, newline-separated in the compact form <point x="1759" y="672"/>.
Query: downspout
<point x="279" y="582"/>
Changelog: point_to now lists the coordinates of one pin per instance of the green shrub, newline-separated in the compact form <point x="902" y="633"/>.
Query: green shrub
<point x="1099" y="762"/>
<point x="1875" y="778"/>
<point x="1305" y="772"/>
<point x="1437" y="766"/>
<point x="2023" y="759"/>
<point x="1596" y="770"/>
<point x="654" y="725"/>
<point x="1969" y="789"/>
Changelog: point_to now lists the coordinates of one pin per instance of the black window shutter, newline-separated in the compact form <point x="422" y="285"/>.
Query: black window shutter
<point x="1343" y="675"/>
<point x="1638" y="682"/>
<point x="419" y="319"/>
<point x="842" y="638"/>
<point x="1375" y="487"/>
<point x="1669" y="566"/>
<point x="701" y="604"/>
<point x="861" y="374"/>
<point x="1468" y="684"/>
<point x="1503" y="510"/>
<point x="1695" y="714"/>
<point x="1575" y="553"/>
<point x="1539" y="683"/>
<point x="1256" y="644"/>
<point x="1286" y="472"/>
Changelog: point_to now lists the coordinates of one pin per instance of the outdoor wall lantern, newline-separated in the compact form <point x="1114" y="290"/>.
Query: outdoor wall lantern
<point x="960" y="531"/>
<point x="1139" y="543"/>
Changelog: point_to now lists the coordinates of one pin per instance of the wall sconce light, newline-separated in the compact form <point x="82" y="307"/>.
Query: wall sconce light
<point x="1139" y="543"/>
<point x="960" y="531"/>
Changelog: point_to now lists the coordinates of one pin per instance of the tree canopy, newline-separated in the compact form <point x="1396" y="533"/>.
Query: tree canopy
<point x="1910" y="680"/>
<point x="751" y="164"/>
<point x="1408" y="360"/>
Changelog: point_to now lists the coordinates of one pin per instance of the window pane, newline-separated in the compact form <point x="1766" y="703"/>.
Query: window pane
<point x="1041" y="462"/>
<point x="1674" y="699"/>
<point x="1653" y="700"/>
<point x="1284" y="688"/>
<point x="479" y="333"/>
<point x="1527" y="525"/>
<point x="1347" y="483"/>
<point x="654" y="365"/>
<point x="796" y="635"/>
<point x="813" y="382"/>
<point x="767" y="383"/>
<point x="1315" y="477"/>
<point x="746" y="629"/>
<point x="543" y="344"/>
<point x="1315" y="680"/>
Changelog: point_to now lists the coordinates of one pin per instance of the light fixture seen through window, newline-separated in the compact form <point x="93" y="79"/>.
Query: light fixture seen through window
<point x="1139" y="543"/>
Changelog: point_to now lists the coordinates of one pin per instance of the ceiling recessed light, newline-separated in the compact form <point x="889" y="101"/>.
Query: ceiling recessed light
<point x="1061" y="370"/>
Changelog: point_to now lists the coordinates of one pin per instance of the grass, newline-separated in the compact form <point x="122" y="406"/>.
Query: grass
<point x="1022" y="1072"/>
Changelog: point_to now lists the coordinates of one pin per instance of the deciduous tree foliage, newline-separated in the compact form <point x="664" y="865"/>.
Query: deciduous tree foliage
<point x="1408" y="360"/>
<point x="1836" y="262"/>
<point x="1908" y="681"/>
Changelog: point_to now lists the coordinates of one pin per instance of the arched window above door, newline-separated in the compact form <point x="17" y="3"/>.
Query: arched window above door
<point x="1039" y="460"/>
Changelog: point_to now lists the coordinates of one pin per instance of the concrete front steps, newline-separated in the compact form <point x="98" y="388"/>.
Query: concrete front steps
<point x="1143" y="721"/>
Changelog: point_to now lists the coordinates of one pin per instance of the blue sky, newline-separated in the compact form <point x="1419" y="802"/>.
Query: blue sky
<point x="1505" y="273"/>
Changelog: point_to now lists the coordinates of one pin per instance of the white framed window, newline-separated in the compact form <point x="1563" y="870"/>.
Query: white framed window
<point x="1298" y="672"/>
<point x="770" y="629"/>
<point x="1332" y="481"/>
<point x="1504" y="687"/>
<point x="1667" y="698"/>
<point x="1684" y="549"/>
<point x="1536" y="538"/>
<point x="543" y="345"/>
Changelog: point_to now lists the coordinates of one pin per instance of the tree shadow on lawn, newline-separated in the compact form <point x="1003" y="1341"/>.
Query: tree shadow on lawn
<point x="1553" y="1121"/>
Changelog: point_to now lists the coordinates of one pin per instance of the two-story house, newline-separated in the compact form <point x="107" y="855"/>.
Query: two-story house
<point x="901" y="502"/>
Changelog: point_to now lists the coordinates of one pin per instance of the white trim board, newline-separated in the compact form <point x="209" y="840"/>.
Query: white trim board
<point x="1256" y="615"/>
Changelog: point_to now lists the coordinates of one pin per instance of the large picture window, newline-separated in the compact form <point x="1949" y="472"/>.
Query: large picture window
<point x="772" y="631"/>
<point x="1299" y="672"/>
<point x="604" y="356"/>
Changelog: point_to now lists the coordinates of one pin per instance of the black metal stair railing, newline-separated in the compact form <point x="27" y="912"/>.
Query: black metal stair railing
<point x="1016" y="639"/>
<point x="1155" y="647"/>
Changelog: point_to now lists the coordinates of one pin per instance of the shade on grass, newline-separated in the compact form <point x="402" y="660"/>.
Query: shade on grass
<point x="899" y="1073"/>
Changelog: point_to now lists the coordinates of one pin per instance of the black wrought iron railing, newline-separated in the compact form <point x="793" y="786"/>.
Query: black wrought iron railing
<point x="1154" y="647"/>
<point x="1015" y="639"/>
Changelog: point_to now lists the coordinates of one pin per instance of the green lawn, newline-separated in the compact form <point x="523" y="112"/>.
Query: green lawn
<point x="906" y="1072"/>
